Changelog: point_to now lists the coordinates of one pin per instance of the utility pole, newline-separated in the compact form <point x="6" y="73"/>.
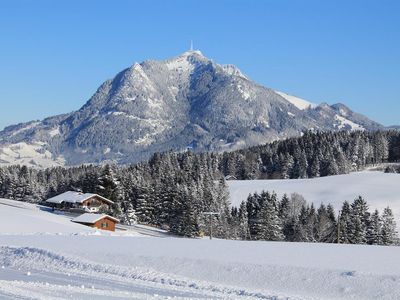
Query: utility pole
<point x="210" y="214"/>
<point x="338" y="228"/>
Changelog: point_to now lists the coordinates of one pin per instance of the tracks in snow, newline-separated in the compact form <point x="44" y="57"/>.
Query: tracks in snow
<point x="33" y="273"/>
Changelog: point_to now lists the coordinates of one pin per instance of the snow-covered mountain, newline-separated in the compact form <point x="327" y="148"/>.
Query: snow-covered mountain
<point x="186" y="101"/>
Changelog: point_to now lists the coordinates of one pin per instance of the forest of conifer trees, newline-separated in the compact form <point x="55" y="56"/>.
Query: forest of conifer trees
<point x="173" y="190"/>
<point x="313" y="155"/>
<point x="264" y="217"/>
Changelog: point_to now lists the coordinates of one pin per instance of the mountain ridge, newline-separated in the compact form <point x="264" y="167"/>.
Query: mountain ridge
<point x="187" y="101"/>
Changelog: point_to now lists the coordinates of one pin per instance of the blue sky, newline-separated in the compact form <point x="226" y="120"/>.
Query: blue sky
<point x="54" y="54"/>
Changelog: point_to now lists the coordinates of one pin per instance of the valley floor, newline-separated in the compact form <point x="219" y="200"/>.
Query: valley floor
<point x="45" y="256"/>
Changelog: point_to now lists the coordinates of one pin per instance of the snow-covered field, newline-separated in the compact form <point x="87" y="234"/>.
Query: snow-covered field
<point x="24" y="218"/>
<point x="45" y="256"/>
<point x="379" y="189"/>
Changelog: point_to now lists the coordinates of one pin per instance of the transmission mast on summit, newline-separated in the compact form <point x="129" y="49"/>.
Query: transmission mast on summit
<point x="191" y="45"/>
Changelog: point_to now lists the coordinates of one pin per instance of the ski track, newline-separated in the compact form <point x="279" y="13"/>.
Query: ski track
<point x="62" y="278"/>
<point x="35" y="273"/>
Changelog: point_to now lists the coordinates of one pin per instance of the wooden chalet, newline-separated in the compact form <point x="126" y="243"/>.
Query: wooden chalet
<point x="100" y="221"/>
<point x="79" y="201"/>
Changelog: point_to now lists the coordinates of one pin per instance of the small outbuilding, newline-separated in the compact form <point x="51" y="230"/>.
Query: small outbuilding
<point x="100" y="221"/>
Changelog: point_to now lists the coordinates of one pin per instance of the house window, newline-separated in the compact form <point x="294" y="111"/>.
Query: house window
<point x="104" y="225"/>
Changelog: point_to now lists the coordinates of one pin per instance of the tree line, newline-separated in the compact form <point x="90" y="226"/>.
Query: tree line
<point x="173" y="190"/>
<point x="315" y="154"/>
<point x="170" y="190"/>
<point x="265" y="217"/>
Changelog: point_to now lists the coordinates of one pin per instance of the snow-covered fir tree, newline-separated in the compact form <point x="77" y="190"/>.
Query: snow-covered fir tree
<point x="359" y="220"/>
<point x="270" y="227"/>
<point x="344" y="224"/>
<point x="389" y="233"/>
<point x="325" y="226"/>
<point x="374" y="229"/>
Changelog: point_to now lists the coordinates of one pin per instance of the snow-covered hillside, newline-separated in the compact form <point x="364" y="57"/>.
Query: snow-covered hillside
<point x="24" y="218"/>
<point x="296" y="101"/>
<point x="379" y="189"/>
<point x="103" y="266"/>
<point x="32" y="154"/>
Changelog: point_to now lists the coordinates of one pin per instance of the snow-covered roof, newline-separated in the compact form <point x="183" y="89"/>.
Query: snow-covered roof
<point x="92" y="218"/>
<point x="74" y="197"/>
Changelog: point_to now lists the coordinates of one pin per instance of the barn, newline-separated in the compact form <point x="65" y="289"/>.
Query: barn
<point x="82" y="201"/>
<point x="100" y="221"/>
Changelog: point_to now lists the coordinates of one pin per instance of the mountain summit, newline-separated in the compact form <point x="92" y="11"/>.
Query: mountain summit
<point x="187" y="101"/>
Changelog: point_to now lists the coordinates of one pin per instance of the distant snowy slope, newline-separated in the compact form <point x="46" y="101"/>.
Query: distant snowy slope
<point x="296" y="101"/>
<point x="34" y="154"/>
<point x="343" y="122"/>
<point x="379" y="189"/>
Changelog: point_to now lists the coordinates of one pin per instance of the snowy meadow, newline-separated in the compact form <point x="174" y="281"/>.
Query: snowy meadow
<point x="49" y="257"/>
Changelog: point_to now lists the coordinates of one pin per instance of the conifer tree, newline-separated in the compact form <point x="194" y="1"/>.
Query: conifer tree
<point x="325" y="226"/>
<point x="270" y="228"/>
<point x="311" y="224"/>
<point x="253" y="210"/>
<point x="145" y="206"/>
<point x="389" y="233"/>
<point x="300" y="226"/>
<point x="108" y="184"/>
<point x="243" y="224"/>
<point x="185" y="221"/>
<point x="359" y="218"/>
<point x="374" y="230"/>
<point x="315" y="167"/>
<point x="344" y="224"/>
